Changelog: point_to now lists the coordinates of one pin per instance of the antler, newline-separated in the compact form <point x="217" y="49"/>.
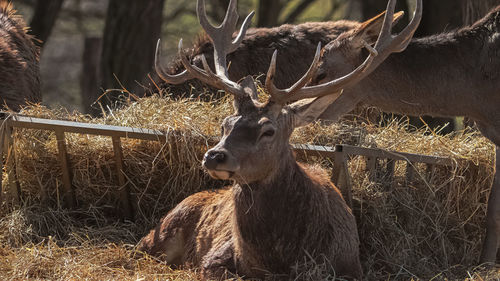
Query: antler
<point x="385" y="45"/>
<point x="221" y="38"/>
<point x="298" y="91"/>
<point x="172" y="79"/>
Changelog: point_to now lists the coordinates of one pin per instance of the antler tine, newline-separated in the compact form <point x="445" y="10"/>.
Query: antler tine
<point x="283" y="96"/>
<point x="389" y="43"/>
<point x="337" y="85"/>
<point x="385" y="45"/>
<point x="172" y="79"/>
<point x="243" y="30"/>
<point x="410" y="29"/>
<point x="202" y="17"/>
<point x="207" y="76"/>
<point x="221" y="36"/>
<point x="385" y="31"/>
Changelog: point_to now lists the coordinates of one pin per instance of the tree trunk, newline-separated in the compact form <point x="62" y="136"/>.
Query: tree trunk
<point x="473" y="10"/>
<point x="129" y="41"/>
<point x="298" y="10"/>
<point x="44" y="18"/>
<point x="440" y="16"/>
<point x="268" y="12"/>
<point x="89" y="84"/>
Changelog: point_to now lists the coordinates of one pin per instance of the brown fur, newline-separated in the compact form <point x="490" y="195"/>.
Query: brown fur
<point x="255" y="231"/>
<point x="295" y="45"/>
<point x="19" y="61"/>
<point x="276" y="214"/>
<point x="449" y="74"/>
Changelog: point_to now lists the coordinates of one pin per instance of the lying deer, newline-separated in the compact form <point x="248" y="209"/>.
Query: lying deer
<point x="450" y="74"/>
<point x="277" y="211"/>
<point x="19" y="58"/>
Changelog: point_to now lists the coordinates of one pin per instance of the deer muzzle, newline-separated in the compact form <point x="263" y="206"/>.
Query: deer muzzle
<point x="220" y="163"/>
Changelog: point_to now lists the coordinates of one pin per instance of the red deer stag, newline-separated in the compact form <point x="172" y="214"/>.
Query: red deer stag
<point x="450" y="74"/>
<point x="20" y="75"/>
<point x="277" y="211"/>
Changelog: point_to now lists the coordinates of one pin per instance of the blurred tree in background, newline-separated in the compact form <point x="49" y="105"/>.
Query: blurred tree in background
<point x="129" y="41"/>
<point x="44" y="18"/>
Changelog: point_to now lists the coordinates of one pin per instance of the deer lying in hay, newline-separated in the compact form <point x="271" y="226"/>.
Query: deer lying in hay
<point x="19" y="57"/>
<point x="278" y="211"/>
<point x="450" y="74"/>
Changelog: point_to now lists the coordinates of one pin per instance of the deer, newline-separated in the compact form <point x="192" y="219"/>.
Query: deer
<point x="296" y="44"/>
<point x="278" y="210"/>
<point x="445" y="75"/>
<point x="19" y="61"/>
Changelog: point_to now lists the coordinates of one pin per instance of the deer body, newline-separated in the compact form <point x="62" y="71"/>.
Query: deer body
<point x="448" y="82"/>
<point x="446" y="75"/>
<point x="19" y="58"/>
<point x="278" y="214"/>
<point x="261" y="228"/>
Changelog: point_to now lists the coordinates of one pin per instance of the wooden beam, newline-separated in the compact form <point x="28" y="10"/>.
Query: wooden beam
<point x="10" y="159"/>
<point x="381" y="153"/>
<point x="389" y="170"/>
<point x="124" y="190"/>
<point x="69" y="198"/>
<point x="341" y="176"/>
<point x="85" y="128"/>
<point x="371" y="165"/>
<point x="324" y="151"/>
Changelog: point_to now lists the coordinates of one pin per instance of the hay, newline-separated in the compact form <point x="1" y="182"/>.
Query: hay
<point x="420" y="229"/>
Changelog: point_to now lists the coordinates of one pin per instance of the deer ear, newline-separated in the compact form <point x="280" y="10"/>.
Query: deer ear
<point x="308" y="110"/>
<point x="370" y="29"/>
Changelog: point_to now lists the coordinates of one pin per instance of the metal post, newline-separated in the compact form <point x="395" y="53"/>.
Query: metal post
<point x="340" y="174"/>
<point x="372" y="167"/>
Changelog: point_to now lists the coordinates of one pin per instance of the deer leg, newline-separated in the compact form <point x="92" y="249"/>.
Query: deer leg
<point x="491" y="242"/>
<point x="219" y="262"/>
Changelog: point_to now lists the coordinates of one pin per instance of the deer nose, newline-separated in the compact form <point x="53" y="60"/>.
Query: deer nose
<point x="213" y="158"/>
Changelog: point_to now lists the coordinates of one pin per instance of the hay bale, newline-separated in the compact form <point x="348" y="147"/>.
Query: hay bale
<point x="418" y="229"/>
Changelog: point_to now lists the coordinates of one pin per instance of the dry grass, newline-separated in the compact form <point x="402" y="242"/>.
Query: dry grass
<point x="427" y="228"/>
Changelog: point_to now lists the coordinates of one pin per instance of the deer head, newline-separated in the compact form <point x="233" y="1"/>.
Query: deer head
<point x="254" y="142"/>
<point x="344" y="53"/>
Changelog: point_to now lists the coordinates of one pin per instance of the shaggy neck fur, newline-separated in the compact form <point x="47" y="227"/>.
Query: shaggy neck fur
<point x="438" y="71"/>
<point x="271" y="223"/>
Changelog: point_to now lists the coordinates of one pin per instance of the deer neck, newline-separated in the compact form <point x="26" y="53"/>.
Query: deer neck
<point x="440" y="75"/>
<point x="271" y="216"/>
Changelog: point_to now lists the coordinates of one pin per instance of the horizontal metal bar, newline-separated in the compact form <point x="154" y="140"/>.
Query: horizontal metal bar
<point x="381" y="153"/>
<point x="20" y="121"/>
<point x="148" y="134"/>
<point x="325" y="151"/>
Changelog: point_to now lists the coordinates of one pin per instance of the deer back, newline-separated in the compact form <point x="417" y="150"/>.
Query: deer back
<point x="295" y="43"/>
